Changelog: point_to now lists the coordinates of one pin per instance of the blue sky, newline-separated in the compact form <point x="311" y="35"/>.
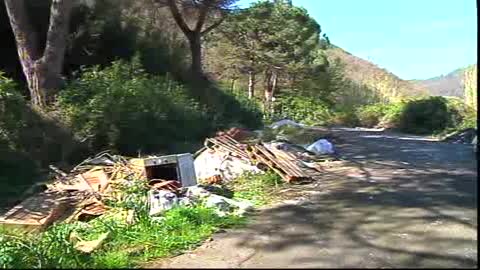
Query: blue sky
<point x="414" y="39"/>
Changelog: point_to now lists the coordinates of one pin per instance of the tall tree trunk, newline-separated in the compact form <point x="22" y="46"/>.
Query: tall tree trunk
<point x="42" y="71"/>
<point x="251" y="84"/>
<point x="196" y="50"/>
<point x="233" y="85"/>
<point x="268" y="92"/>
<point x="273" y="91"/>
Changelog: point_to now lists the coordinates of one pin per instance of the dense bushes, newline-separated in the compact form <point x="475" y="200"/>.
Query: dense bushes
<point x="29" y="141"/>
<point x="16" y="169"/>
<point x="123" y="108"/>
<point x="425" y="116"/>
<point x="433" y="115"/>
<point x="303" y="109"/>
<point x="371" y="115"/>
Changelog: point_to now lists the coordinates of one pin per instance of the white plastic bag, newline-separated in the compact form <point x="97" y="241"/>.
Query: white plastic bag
<point x="321" y="147"/>
<point x="161" y="201"/>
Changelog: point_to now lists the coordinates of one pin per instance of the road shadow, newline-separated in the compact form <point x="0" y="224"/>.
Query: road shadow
<point x="399" y="209"/>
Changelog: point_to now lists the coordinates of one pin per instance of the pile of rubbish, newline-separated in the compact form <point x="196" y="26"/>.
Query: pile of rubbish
<point x="84" y="193"/>
<point x="224" y="158"/>
<point x="163" y="182"/>
<point x="465" y="136"/>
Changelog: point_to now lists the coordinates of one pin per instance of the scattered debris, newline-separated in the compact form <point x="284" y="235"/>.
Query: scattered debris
<point x="87" y="246"/>
<point x="86" y="191"/>
<point x="238" y="134"/>
<point x="81" y="194"/>
<point x="161" y="201"/>
<point x="465" y="136"/>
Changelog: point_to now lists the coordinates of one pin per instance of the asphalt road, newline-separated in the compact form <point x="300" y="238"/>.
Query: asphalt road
<point x="402" y="201"/>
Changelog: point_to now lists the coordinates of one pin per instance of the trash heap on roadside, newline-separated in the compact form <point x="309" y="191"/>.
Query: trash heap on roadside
<point x="231" y="153"/>
<point x="85" y="192"/>
<point x="163" y="182"/>
<point x="465" y="136"/>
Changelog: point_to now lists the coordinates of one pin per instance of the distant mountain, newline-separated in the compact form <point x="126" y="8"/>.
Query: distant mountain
<point x="373" y="77"/>
<point x="444" y="85"/>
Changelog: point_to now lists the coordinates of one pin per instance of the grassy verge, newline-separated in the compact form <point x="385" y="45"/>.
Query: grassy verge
<point x="261" y="189"/>
<point x="180" y="229"/>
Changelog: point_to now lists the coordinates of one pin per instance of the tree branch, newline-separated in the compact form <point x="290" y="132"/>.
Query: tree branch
<point x="213" y="26"/>
<point x="201" y="18"/>
<point x="178" y="17"/>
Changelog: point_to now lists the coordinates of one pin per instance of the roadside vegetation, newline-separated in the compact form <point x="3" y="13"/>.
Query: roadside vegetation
<point x="181" y="228"/>
<point x="129" y="245"/>
<point x="260" y="189"/>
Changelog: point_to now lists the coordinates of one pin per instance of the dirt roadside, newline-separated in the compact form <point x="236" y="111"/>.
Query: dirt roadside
<point x="404" y="201"/>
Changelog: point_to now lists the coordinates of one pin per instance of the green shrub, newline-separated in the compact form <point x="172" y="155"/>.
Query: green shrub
<point x="17" y="169"/>
<point x="392" y="114"/>
<point x="425" y="116"/>
<point x="371" y="115"/>
<point x="123" y="108"/>
<point x="345" y="117"/>
<point x="305" y="110"/>
<point x="235" y="110"/>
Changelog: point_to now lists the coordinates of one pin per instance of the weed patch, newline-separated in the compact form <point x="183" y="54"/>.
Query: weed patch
<point x="180" y="229"/>
<point x="261" y="189"/>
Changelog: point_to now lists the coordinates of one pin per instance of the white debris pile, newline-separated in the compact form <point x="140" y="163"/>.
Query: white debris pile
<point x="218" y="163"/>
<point x="162" y="201"/>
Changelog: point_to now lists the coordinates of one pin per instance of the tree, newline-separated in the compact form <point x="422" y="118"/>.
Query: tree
<point x="470" y="86"/>
<point x="201" y="10"/>
<point x="42" y="69"/>
<point x="276" y="39"/>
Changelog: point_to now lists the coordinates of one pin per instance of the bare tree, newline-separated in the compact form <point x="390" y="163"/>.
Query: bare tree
<point x="42" y="70"/>
<point x="197" y="12"/>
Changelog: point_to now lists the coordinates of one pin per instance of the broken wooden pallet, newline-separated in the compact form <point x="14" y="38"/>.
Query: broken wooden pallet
<point x="37" y="212"/>
<point x="288" y="170"/>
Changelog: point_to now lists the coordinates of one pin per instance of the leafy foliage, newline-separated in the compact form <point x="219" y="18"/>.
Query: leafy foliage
<point x="123" y="108"/>
<point x="431" y="115"/>
<point x="303" y="110"/>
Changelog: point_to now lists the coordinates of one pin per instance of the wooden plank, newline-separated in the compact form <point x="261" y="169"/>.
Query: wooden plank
<point x="279" y="163"/>
<point x="37" y="211"/>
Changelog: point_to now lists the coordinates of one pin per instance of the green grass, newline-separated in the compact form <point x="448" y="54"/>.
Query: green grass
<point x="261" y="189"/>
<point x="127" y="246"/>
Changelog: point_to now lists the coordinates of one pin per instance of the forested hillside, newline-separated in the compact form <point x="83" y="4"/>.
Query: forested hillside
<point x="451" y="84"/>
<point x="384" y="84"/>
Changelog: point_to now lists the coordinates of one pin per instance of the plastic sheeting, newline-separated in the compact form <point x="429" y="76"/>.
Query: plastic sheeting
<point x="321" y="147"/>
